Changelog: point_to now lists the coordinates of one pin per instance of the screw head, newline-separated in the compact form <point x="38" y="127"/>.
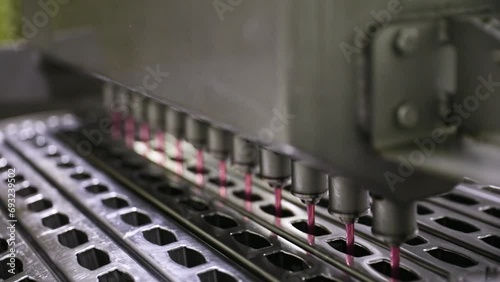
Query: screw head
<point x="406" y="42"/>
<point x="407" y="116"/>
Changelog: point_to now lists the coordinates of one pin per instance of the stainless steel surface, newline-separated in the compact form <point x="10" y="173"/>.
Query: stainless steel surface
<point x="274" y="168"/>
<point x="308" y="184"/>
<point x="175" y="122"/>
<point x="156" y="113"/>
<point x="347" y="200"/>
<point x="196" y="132"/>
<point x="129" y="223"/>
<point x="271" y="248"/>
<point x="51" y="219"/>
<point x="244" y="153"/>
<point x="219" y="142"/>
<point x="300" y="77"/>
<point x="28" y="265"/>
<point x="394" y="223"/>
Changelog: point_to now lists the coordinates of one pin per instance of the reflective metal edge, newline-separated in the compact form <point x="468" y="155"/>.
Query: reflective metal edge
<point x="484" y="201"/>
<point x="33" y="266"/>
<point x="47" y="238"/>
<point x="111" y="220"/>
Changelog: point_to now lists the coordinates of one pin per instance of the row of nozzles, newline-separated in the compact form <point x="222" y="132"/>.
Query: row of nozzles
<point x="393" y="222"/>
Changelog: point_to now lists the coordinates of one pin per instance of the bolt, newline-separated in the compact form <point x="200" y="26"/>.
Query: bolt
<point x="406" y="41"/>
<point x="407" y="116"/>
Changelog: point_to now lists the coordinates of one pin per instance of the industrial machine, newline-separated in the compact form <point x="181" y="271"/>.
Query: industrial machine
<point x="238" y="140"/>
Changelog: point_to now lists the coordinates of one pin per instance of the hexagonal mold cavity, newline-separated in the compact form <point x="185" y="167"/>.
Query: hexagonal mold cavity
<point x="270" y="209"/>
<point x="40" y="205"/>
<point x="457" y="225"/>
<point x="416" y="241"/>
<point x="136" y="218"/>
<point x="365" y="220"/>
<point x="216" y="181"/>
<point x="287" y="261"/>
<point x="384" y="267"/>
<point x="451" y="257"/>
<point x="423" y="210"/>
<point x="492" y="211"/>
<point x="242" y="195"/>
<point x="251" y="239"/>
<point x="55" y="221"/>
<point x="216" y="275"/>
<point x="492" y="189"/>
<point x="115" y="202"/>
<point x="460" y="199"/>
<point x="187" y="257"/>
<point x="166" y="188"/>
<point x="97" y="188"/>
<point x="65" y="163"/>
<point x="115" y="276"/>
<point x="194" y="169"/>
<point x="4" y="246"/>
<point x="492" y="240"/>
<point x="303" y="227"/>
<point x="17" y="179"/>
<point x="6" y="271"/>
<point x="159" y="236"/>
<point x="72" y="238"/>
<point x="26" y="279"/>
<point x="324" y="203"/>
<point x="27" y="192"/>
<point x="80" y="175"/>
<point x="195" y="205"/>
<point x="220" y="221"/>
<point x="321" y="278"/>
<point x="340" y="245"/>
<point x="93" y="259"/>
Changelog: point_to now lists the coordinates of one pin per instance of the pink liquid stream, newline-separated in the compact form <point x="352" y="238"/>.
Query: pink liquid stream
<point x="310" y="223"/>
<point x="129" y="131"/>
<point x="179" y="156"/>
<point x="160" y="145"/>
<point x="222" y="178"/>
<point x="395" y="257"/>
<point x="248" y="186"/>
<point x="199" y="167"/>
<point x="277" y="201"/>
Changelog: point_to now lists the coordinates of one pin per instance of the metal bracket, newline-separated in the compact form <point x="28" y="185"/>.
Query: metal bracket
<point x="478" y="43"/>
<point x="413" y="71"/>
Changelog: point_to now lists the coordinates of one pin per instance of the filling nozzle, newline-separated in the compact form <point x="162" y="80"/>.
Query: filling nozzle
<point x="308" y="184"/>
<point x="175" y="121"/>
<point x="244" y="154"/>
<point x="394" y="222"/>
<point x="110" y="104"/>
<point x="348" y="201"/>
<point x="275" y="168"/>
<point x="139" y="111"/>
<point x="219" y="145"/>
<point x="244" y="157"/>
<point x="196" y="134"/>
<point x="156" y="119"/>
